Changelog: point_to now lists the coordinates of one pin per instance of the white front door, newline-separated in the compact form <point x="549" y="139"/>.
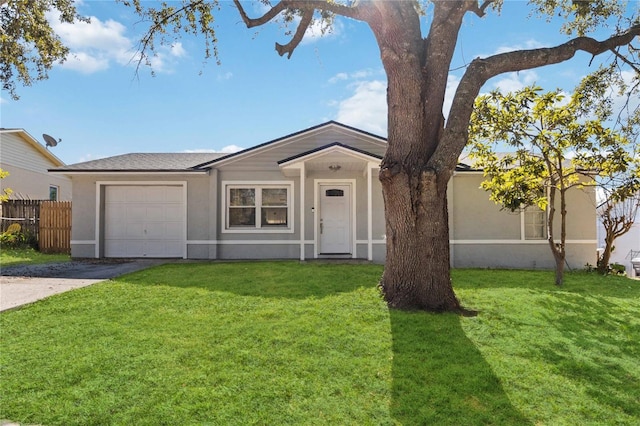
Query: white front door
<point x="335" y="219"/>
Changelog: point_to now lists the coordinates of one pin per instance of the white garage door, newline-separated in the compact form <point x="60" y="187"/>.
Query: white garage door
<point x="144" y="221"/>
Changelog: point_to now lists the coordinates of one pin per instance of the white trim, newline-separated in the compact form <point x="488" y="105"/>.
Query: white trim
<point x="316" y="199"/>
<point x="370" y="211"/>
<point x="183" y="184"/>
<point x="289" y="184"/>
<point x="532" y="242"/>
<point x="82" y="242"/>
<point x="303" y="173"/>
<point x="250" y="242"/>
<point x="372" y="242"/>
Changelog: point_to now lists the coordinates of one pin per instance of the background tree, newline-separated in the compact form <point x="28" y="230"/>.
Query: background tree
<point x="28" y="45"/>
<point x="617" y="218"/>
<point x="556" y="149"/>
<point x="423" y="149"/>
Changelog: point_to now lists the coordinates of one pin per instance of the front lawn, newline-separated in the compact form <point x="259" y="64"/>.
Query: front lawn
<point x="28" y="256"/>
<point x="287" y="343"/>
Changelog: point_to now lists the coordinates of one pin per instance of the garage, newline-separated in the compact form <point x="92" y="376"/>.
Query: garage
<point x="144" y="221"/>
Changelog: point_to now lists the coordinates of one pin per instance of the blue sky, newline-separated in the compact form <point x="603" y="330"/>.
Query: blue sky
<point x="99" y="107"/>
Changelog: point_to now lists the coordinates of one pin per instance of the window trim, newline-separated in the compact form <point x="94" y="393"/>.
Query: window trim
<point x="257" y="186"/>
<point x="57" y="188"/>
<point x="523" y="224"/>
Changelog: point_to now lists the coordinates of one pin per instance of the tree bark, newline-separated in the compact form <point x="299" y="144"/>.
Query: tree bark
<point x="417" y="270"/>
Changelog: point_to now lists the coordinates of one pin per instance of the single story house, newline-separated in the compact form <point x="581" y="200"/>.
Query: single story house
<point x="27" y="162"/>
<point x="311" y="194"/>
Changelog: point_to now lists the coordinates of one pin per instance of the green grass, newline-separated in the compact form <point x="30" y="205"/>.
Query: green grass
<point x="289" y="343"/>
<point x="12" y="257"/>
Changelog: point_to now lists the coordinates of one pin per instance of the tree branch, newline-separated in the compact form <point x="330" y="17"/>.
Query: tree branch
<point x="307" y="8"/>
<point x="480" y="11"/>
<point x="482" y="69"/>
<point x="256" y="22"/>
<point x="307" y="16"/>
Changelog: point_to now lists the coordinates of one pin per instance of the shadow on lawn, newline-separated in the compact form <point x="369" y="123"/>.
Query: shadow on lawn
<point x="439" y="376"/>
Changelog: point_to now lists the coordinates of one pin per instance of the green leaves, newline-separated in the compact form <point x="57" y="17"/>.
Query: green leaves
<point x="551" y="143"/>
<point x="28" y="45"/>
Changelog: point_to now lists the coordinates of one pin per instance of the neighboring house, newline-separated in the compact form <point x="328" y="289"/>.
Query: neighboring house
<point x="27" y="162"/>
<point x="626" y="247"/>
<point x="312" y="194"/>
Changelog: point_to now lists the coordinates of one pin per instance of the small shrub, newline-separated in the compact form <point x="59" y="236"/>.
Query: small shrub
<point x="617" y="269"/>
<point x="15" y="238"/>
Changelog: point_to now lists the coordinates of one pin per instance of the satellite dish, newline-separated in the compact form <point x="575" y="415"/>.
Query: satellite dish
<point x="50" y="140"/>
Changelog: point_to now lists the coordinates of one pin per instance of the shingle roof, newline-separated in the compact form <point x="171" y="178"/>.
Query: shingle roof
<point x="146" y="162"/>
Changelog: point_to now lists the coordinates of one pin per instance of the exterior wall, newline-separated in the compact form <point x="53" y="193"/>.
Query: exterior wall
<point x="84" y="213"/>
<point x="483" y="235"/>
<point x="28" y="177"/>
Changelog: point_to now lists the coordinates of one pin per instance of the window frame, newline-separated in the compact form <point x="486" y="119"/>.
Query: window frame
<point x="259" y="228"/>
<point x="57" y="189"/>
<point x="527" y="212"/>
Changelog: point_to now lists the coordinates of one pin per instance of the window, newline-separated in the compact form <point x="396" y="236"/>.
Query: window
<point x="258" y="207"/>
<point x="53" y="193"/>
<point x="534" y="223"/>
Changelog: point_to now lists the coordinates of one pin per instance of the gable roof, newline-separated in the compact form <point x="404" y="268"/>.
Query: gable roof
<point x="341" y="146"/>
<point x="145" y="162"/>
<point x="283" y="139"/>
<point x="30" y="140"/>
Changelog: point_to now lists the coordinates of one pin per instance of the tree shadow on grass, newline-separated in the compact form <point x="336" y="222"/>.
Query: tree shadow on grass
<point x="279" y="279"/>
<point x="440" y="377"/>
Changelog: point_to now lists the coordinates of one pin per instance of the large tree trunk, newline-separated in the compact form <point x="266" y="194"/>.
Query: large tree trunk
<point x="417" y="271"/>
<point x="417" y="274"/>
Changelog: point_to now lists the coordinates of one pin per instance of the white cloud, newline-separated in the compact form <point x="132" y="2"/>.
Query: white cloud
<point x="318" y="30"/>
<point x="452" y="85"/>
<point x="198" y="151"/>
<point x="515" y="81"/>
<point x="527" y="45"/>
<point x="85" y="63"/>
<point x="226" y="76"/>
<point x="341" y="76"/>
<point x="230" y="149"/>
<point x="366" y="108"/>
<point x="95" y="45"/>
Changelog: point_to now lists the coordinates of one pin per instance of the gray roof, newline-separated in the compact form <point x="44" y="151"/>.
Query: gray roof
<point x="145" y="162"/>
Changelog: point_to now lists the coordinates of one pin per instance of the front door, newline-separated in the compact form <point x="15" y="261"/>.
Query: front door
<point x="335" y="219"/>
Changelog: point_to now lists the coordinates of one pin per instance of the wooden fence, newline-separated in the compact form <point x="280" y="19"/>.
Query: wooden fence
<point x="48" y="222"/>
<point x="25" y="213"/>
<point x="55" y="227"/>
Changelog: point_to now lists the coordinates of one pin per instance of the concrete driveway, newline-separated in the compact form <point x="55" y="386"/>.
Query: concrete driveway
<point x="20" y="285"/>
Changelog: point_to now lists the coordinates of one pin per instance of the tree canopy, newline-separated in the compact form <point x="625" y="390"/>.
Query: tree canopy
<point x="552" y="147"/>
